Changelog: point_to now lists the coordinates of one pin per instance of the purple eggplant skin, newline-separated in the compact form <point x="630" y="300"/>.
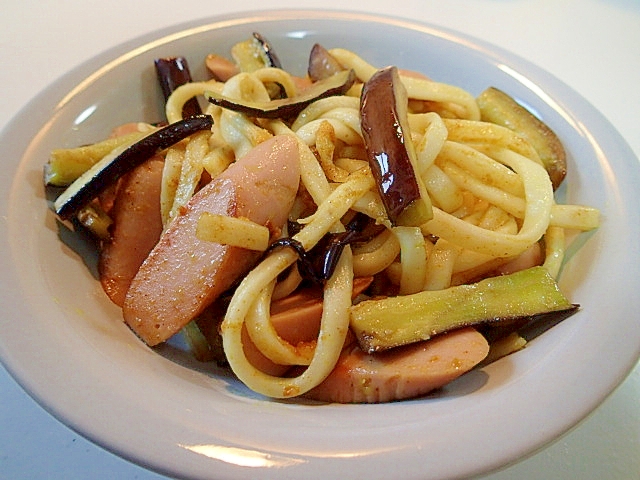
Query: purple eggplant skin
<point x="133" y="156"/>
<point x="381" y="121"/>
<point x="269" y="52"/>
<point x="318" y="264"/>
<point x="528" y="327"/>
<point x="322" y="64"/>
<point x="173" y="72"/>
<point x="337" y="84"/>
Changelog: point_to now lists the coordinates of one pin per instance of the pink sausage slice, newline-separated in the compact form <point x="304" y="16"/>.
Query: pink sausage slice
<point x="182" y="274"/>
<point x="404" y="372"/>
<point x="137" y="225"/>
<point x="296" y="319"/>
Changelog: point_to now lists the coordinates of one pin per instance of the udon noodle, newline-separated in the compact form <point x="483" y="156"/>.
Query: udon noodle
<point x="491" y="195"/>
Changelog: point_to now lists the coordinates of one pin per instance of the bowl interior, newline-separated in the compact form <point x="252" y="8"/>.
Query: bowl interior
<point x="72" y="352"/>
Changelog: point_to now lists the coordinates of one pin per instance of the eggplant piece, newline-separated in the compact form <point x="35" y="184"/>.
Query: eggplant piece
<point x="108" y="170"/>
<point x="401" y="373"/>
<point x="96" y="220"/>
<point x="499" y="108"/>
<point x="319" y="263"/>
<point x="67" y="164"/>
<point x="391" y="155"/>
<point x="255" y="53"/>
<point x="172" y="72"/>
<point x="528" y="327"/>
<point x="337" y="84"/>
<point x="272" y="59"/>
<point x="322" y="64"/>
<point x="395" y="321"/>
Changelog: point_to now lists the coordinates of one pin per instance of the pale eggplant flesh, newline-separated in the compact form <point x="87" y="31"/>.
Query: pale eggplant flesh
<point x="271" y="58"/>
<point x="104" y="173"/>
<point x="505" y="301"/>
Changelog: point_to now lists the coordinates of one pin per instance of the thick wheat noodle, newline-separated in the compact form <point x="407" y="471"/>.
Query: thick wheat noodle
<point x="440" y="265"/>
<point x="539" y="200"/>
<point x="554" y="245"/>
<point x="264" y="336"/>
<point x="494" y="218"/>
<point x="182" y="94"/>
<point x="468" y="260"/>
<point x="371" y="205"/>
<point x="374" y="243"/>
<point x="413" y="259"/>
<point x="307" y="133"/>
<point x="276" y="75"/>
<point x="240" y="133"/>
<point x="578" y="217"/>
<point x="490" y="136"/>
<point x="333" y="329"/>
<point x="319" y="107"/>
<point x="348" y="116"/>
<point x="494" y="195"/>
<point x="236" y="129"/>
<point x="245" y="86"/>
<point x="218" y="160"/>
<point x="337" y="299"/>
<point x="481" y="166"/>
<point x="433" y="139"/>
<point x="417" y="88"/>
<point x="443" y="191"/>
<point x="287" y="285"/>
<point x="311" y="173"/>
<point x="369" y="263"/>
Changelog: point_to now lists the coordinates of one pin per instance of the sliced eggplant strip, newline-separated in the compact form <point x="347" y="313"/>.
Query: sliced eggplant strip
<point x="111" y="168"/>
<point x="269" y="53"/>
<point x="506" y="337"/>
<point x="319" y="263"/>
<point x="508" y="299"/>
<point x="499" y="108"/>
<point x="391" y="155"/>
<point x="67" y="164"/>
<point x="322" y="64"/>
<point x="337" y="84"/>
<point x="173" y="72"/>
<point x="255" y="53"/>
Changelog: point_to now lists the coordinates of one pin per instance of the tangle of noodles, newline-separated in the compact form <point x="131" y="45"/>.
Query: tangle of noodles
<point x="492" y="200"/>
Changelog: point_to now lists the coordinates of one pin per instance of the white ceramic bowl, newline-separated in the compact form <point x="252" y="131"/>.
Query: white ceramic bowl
<point x="67" y="346"/>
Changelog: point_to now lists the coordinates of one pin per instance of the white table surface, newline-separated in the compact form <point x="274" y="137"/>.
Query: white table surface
<point x="592" y="45"/>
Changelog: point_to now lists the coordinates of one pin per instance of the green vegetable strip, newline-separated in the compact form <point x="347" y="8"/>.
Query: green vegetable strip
<point x="394" y="321"/>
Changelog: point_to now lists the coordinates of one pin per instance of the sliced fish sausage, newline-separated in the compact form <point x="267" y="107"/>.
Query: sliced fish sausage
<point x="183" y="274"/>
<point x="137" y="226"/>
<point x="403" y="372"/>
